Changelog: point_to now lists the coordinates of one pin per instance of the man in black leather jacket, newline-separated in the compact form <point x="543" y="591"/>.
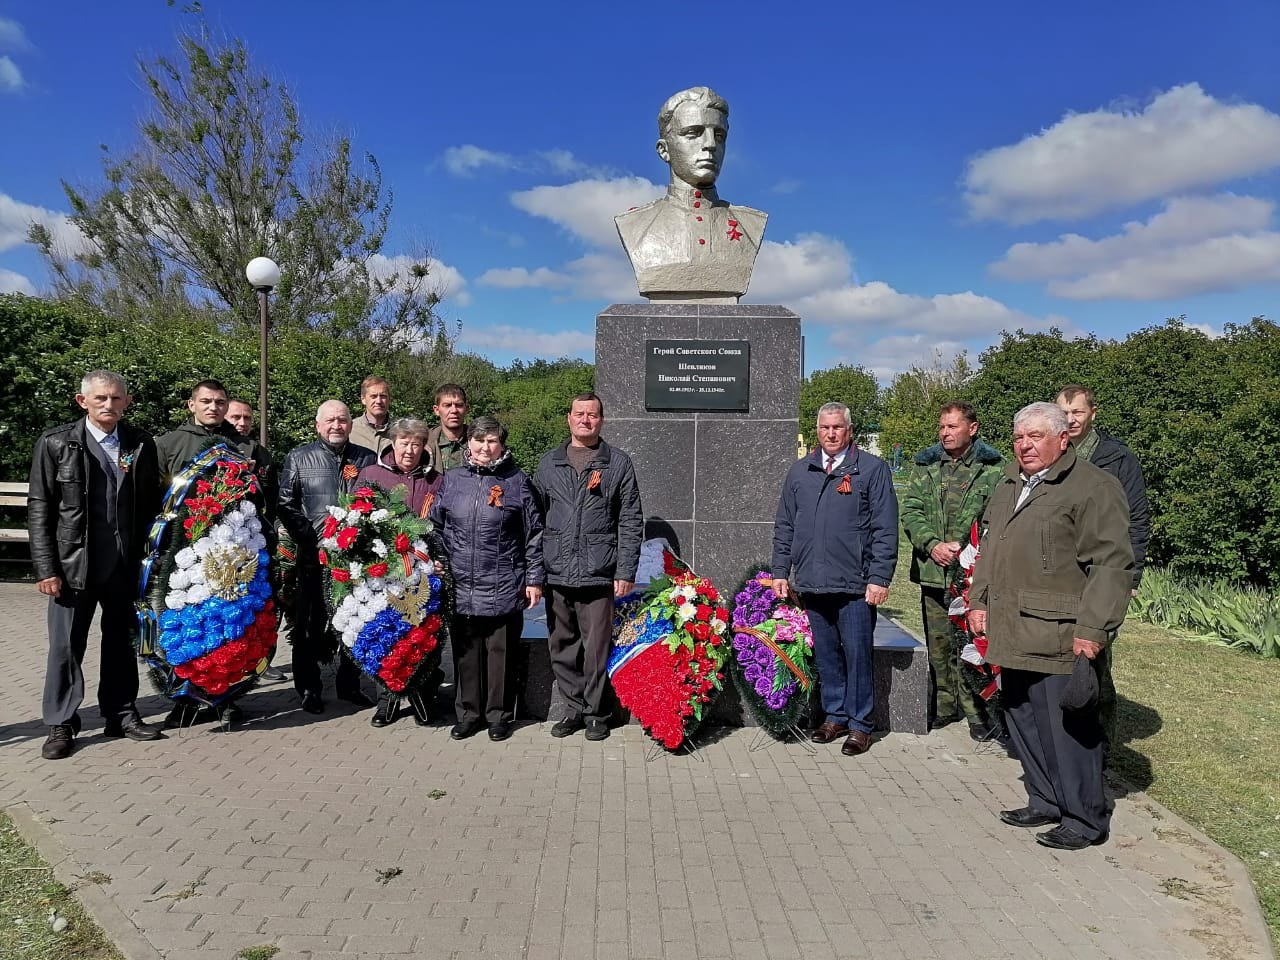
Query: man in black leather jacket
<point x="314" y="475"/>
<point x="94" y="493"/>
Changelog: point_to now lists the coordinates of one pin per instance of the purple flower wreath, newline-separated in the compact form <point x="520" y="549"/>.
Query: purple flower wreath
<point x="773" y="655"/>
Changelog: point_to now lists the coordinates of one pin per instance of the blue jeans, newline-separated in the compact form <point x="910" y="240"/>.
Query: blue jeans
<point x="843" y="630"/>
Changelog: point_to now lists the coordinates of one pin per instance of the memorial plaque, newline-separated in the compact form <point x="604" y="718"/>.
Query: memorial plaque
<point x="697" y="375"/>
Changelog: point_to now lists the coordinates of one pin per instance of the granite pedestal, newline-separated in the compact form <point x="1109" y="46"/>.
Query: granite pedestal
<point x="708" y="480"/>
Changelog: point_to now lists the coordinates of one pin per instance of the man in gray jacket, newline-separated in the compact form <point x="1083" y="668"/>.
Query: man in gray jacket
<point x="591" y="548"/>
<point x="1051" y="584"/>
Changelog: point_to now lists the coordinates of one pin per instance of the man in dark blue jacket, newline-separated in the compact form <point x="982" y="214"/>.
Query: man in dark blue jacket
<point x="835" y="543"/>
<point x="591" y="548"/>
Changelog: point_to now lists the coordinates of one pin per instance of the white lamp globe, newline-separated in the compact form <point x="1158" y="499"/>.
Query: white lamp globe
<point x="262" y="273"/>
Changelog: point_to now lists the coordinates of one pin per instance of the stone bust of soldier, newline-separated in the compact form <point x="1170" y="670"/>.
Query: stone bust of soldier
<point x="690" y="244"/>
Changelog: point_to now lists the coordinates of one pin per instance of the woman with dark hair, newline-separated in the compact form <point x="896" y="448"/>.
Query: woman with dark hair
<point x="491" y="524"/>
<point x="406" y="464"/>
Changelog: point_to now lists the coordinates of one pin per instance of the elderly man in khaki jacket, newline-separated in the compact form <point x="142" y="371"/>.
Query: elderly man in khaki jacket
<point x="1052" y="582"/>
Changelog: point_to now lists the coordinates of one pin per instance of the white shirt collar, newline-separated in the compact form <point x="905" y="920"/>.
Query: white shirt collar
<point x="834" y="459"/>
<point x="96" y="433"/>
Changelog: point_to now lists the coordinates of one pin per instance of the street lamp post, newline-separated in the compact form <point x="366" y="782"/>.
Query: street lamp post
<point x="263" y="275"/>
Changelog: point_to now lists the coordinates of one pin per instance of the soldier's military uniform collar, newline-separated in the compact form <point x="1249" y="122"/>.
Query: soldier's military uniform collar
<point x="692" y="198"/>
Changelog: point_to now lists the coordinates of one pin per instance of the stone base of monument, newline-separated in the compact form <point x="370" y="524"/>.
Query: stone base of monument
<point x="709" y="475"/>
<point x="901" y="666"/>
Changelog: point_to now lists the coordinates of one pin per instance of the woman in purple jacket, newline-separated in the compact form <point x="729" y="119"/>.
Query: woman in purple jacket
<point x="491" y="523"/>
<point x="406" y="463"/>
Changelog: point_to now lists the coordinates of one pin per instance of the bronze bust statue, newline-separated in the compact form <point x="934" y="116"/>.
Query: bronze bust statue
<point x="690" y="244"/>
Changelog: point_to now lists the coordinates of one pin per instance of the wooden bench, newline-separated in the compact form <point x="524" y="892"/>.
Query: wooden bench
<point x="14" y="495"/>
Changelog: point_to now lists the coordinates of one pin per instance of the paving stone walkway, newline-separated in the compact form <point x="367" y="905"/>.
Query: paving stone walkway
<point x="329" y="838"/>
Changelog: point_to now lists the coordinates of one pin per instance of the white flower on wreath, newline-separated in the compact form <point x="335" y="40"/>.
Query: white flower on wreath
<point x="379" y="515"/>
<point x="688" y="592"/>
<point x="717" y="626"/>
<point x="230" y="550"/>
<point x="354" y="517"/>
<point x="355" y="570"/>
<point x="686" y="612"/>
<point x="378" y="547"/>
<point x="336" y="512"/>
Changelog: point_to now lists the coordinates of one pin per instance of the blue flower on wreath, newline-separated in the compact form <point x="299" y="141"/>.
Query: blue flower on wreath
<point x="377" y="638"/>
<point x="201" y="628"/>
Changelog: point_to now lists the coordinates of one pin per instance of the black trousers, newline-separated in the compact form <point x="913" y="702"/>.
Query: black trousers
<point x="580" y="631"/>
<point x="70" y="614"/>
<point x="1060" y="751"/>
<point x="313" y="641"/>
<point x="483" y="667"/>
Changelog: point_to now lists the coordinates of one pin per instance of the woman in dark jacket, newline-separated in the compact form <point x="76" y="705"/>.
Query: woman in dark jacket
<point x="406" y="464"/>
<point x="489" y="518"/>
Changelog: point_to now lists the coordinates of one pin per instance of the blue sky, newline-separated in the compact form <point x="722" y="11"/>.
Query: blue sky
<point x="934" y="172"/>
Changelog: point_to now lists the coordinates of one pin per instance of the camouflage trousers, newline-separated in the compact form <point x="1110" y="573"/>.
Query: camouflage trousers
<point x="953" y="696"/>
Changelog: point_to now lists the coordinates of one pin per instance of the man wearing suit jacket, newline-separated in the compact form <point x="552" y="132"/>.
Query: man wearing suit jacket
<point x="94" y="493"/>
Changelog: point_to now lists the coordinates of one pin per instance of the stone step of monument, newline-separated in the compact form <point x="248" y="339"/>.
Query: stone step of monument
<point x="901" y="681"/>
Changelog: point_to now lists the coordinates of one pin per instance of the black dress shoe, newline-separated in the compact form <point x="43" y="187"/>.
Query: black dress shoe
<point x="312" y="703"/>
<point x="60" y="742"/>
<point x="597" y="728"/>
<point x="461" y="731"/>
<point x="134" y="729"/>
<point x="1064" y="838"/>
<point x="937" y="723"/>
<point x="981" y="732"/>
<point x="356" y="697"/>
<point x="1026" y="817"/>
<point x="499" y="731"/>
<point x="385" y="715"/>
<point x="568" y="726"/>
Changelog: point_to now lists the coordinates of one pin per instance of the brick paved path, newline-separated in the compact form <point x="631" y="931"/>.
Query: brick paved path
<point x="276" y="831"/>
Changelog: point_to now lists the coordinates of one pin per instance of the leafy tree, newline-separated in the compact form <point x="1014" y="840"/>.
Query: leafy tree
<point x="224" y="173"/>
<point x="1023" y="368"/>
<point x="912" y="400"/>
<point x="532" y="401"/>
<point x="39" y="384"/>
<point x="853" y="386"/>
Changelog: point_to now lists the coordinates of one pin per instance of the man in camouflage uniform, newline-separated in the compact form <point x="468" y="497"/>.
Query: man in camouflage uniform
<point x="947" y="491"/>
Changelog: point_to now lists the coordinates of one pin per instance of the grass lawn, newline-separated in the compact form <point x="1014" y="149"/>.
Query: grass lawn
<point x="28" y="893"/>
<point x="1194" y="721"/>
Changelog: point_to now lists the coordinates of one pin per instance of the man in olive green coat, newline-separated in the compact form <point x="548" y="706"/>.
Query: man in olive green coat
<point x="1052" y="583"/>
<point x="946" y="492"/>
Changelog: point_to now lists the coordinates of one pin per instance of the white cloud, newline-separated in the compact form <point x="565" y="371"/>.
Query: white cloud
<point x="12" y="36"/>
<point x="465" y="160"/>
<point x="785" y="186"/>
<point x="876" y="307"/>
<point x="11" y="282"/>
<point x="11" y="79"/>
<point x="526" y="342"/>
<point x="1184" y="219"/>
<point x="1089" y="162"/>
<point x="1220" y="263"/>
<point x="891" y="355"/>
<point x="1195" y="245"/>
<point x="445" y="281"/>
<point x="16" y="219"/>
<point x="789" y="270"/>
<point x="586" y="208"/>
<point x="516" y="278"/>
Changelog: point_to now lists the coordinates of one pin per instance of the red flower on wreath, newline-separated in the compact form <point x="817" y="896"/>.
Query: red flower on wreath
<point x="364" y="492"/>
<point x="342" y="576"/>
<point x="377" y="570"/>
<point x="402" y="543"/>
<point x="346" y="537"/>
<point x="362" y="506"/>
<point x="330" y="526"/>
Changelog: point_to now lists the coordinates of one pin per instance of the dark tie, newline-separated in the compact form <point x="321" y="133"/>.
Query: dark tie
<point x="831" y="462"/>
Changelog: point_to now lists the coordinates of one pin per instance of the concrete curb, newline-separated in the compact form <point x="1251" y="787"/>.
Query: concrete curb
<point x="122" y="932"/>
<point x="1246" y="897"/>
